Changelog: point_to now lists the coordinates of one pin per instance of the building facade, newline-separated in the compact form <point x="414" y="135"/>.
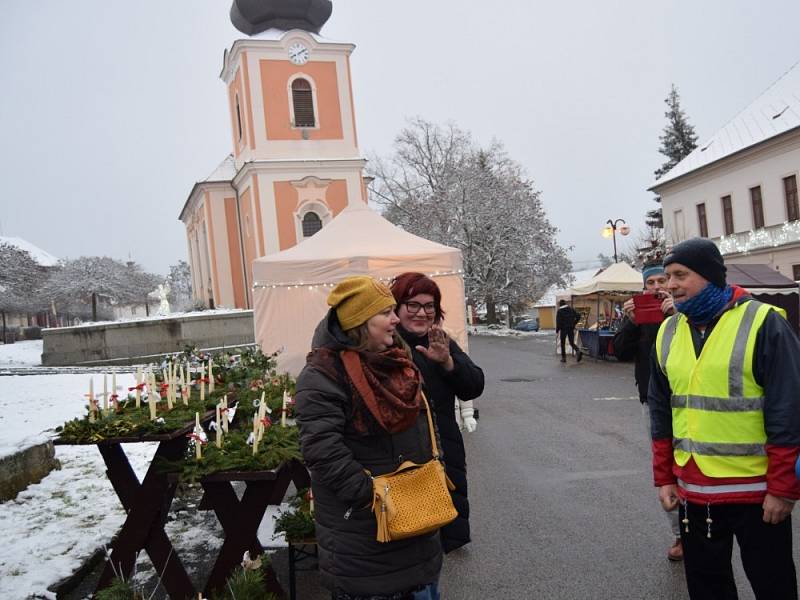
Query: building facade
<point x="740" y="187"/>
<point x="295" y="162"/>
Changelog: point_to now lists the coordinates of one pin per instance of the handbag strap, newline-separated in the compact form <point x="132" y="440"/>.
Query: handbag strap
<point x="430" y="426"/>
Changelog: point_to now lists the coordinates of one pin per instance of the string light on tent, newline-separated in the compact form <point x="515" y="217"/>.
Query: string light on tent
<point x="313" y="285"/>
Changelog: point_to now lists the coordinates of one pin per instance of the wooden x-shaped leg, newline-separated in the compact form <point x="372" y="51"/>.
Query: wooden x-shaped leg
<point x="147" y="504"/>
<point x="240" y="520"/>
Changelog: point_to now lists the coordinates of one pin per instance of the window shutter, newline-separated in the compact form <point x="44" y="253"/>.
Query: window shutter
<point x="303" y="103"/>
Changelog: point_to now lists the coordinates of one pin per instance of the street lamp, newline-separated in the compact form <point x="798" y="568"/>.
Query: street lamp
<point x="610" y="231"/>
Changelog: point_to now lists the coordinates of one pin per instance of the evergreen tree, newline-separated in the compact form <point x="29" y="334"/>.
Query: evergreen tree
<point x="677" y="142"/>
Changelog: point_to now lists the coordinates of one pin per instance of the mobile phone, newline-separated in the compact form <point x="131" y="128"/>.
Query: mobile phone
<point x="647" y="309"/>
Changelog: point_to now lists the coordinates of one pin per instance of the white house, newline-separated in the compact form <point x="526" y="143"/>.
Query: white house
<point x="739" y="187"/>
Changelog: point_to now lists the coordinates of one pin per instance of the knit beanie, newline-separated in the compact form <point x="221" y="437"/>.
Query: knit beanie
<point x="702" y="256"/>
<point x="651" y="270"/>
<point x="357" y="299"/>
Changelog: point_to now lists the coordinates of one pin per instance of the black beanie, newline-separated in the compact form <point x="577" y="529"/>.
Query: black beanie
<point x="702" y="256"/>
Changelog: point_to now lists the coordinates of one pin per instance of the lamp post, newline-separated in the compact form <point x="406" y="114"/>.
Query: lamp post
<point x="610" y="231"/>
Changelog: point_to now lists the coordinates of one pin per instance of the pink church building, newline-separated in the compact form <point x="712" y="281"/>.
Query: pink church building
<point x="295" y="162"/>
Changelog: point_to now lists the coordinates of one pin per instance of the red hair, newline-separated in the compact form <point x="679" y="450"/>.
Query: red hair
<point x="407" y="285"/>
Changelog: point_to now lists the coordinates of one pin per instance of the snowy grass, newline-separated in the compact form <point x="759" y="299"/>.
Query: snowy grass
<point x="27" y="353"/>
<point x="502" y="331"/>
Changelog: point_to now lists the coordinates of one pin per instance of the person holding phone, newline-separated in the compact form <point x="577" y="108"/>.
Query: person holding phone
<point x="634" y="341"/>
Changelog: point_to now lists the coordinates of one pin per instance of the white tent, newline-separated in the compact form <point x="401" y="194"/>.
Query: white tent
<point x="619" y="277"/>
<point x="290" y="287"/>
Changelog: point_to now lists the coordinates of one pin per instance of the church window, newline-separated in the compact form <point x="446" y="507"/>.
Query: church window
<point x="311" y="224"/>
<point x="238" y="118"/>
<point x="303" y="103"/>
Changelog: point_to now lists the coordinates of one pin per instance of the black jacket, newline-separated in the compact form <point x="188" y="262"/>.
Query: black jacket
<point x="634" y="342"/>
<point x="350" y="558"/>
<point x="566" y="318"/>
<point x="465" y="381"/>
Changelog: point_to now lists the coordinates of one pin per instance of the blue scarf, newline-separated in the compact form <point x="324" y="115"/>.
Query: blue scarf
<point x="702" y="308"/>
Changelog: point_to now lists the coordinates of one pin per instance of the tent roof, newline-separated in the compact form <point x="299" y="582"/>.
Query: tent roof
<point x="757" y="276"/>
<point x="619" y="277"/>
<point x="357" y="240"/>
<point x="554" y="291"/>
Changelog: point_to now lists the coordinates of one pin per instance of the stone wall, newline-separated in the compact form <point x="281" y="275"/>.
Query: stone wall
<point x="30" y="465"/>
<point x="132" y="342"/>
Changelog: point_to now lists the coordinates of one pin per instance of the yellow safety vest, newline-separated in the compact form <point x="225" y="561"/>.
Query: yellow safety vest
<point x="717" y="406"/>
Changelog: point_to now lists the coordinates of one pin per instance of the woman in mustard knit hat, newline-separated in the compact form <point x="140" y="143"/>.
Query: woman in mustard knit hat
<point x="359" y="408"/>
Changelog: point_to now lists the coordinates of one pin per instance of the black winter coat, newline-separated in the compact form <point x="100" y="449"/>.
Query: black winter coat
<point x="465" y="381"/>
<point x="350" y="558"/>
<point x="634" y="342"/>
<point x="566" y="318"/>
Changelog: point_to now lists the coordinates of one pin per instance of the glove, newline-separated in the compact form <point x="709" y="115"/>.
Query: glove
<point x="468" y="422"/>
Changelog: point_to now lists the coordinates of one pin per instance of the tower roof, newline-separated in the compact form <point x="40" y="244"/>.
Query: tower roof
<point x="254" y="16"/>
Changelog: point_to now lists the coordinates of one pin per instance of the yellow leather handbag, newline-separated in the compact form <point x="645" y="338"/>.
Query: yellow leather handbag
<point x="414" y="499"/>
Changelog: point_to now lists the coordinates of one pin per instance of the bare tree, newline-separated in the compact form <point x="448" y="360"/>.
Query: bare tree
<point x="442" y="186"/>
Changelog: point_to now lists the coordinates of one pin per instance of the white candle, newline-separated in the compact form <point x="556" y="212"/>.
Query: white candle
<point x="210" y="375"/>
<point x="255" y="434"/>
<point x="198" y="452"/>
<point x="202" y="382"/>
<point x="283" y="410"/>
<point x="219" y="428"/>
<point x="225" y="406"/>
<point x="114" y="388"/>
<point x="105" y="392"/>
<point x="138" y="386"/>
<point x="91" y="400"/>
<point x="188" y="385"/>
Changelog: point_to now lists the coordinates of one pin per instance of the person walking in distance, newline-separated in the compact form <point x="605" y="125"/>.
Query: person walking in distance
<point x="725" y="426"/>
<point x="634" y="341"/>
<point x="566" y="319"/>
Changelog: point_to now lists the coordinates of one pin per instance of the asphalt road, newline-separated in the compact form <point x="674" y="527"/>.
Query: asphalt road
<point x="560" y="487"/>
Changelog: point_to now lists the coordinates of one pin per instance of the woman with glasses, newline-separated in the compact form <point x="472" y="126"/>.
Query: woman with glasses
<point x="451" y="381"/>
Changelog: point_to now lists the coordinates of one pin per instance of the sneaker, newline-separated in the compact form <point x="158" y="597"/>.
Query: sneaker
<point x="563" y="360"/>
<point x="675" y="552"/>
<point x="578" y="356"/>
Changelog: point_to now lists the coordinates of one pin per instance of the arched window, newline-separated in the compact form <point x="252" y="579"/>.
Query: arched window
<point x="303" y="103"/>
<point x="311" y="224"/>
<point x="239" y="118"/>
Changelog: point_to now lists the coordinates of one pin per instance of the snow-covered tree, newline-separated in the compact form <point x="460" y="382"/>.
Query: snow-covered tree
<point x="439" y="184"/>
<point x="83" y="282"/>
<point x="20" y="275"/>
<point x="180" y="285"/>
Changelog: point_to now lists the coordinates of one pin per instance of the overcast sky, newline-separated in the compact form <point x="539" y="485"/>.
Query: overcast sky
<point x="110" y="110"/>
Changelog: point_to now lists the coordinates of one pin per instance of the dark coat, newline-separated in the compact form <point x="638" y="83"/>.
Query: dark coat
<point x="465" y="381"/>
<point x="566" y="318"/>
<point x="634" y="342"/>
<point x="350" y="558"/>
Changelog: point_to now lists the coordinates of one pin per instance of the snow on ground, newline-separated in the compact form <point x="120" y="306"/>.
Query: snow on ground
<point x="51" y="528"/>
<point x="54" y="526"/>
<point x="502" y="331"/>
<point x="27" y="353"/>
<point x="173" y="315"/>
<point x="32" y="405"/>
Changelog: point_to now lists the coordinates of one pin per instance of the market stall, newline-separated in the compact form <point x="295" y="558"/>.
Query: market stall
<point x="599" y="301"/>
<point x="291" y="287"/>
<point x="770" y="286"/>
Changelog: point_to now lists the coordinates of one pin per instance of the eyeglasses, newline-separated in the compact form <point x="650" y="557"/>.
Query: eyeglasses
<point x="414" y="307"/>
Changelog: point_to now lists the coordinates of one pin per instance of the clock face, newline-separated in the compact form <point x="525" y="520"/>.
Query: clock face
<point x="298" y="53"/>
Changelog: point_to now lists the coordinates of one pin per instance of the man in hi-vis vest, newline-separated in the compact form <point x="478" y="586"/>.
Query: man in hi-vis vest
<point x="724" y="402"/>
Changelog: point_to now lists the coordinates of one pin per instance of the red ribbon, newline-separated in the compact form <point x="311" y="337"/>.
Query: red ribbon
<point x="266" y="423"/>
<point x="196" y="438"/>
<point x="164" y="387"/>
<point x="139" y="387"/>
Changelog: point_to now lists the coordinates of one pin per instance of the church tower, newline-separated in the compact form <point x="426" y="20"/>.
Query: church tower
<point x="295" y="162"/>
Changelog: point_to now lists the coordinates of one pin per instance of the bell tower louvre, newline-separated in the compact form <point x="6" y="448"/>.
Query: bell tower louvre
<point x="295" y="162"/>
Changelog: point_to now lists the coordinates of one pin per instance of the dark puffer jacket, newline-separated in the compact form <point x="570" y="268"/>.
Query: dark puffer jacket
<point x="634" y="342"/>
<point x="465" y="381"/>
<point x="350" y="558"/>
